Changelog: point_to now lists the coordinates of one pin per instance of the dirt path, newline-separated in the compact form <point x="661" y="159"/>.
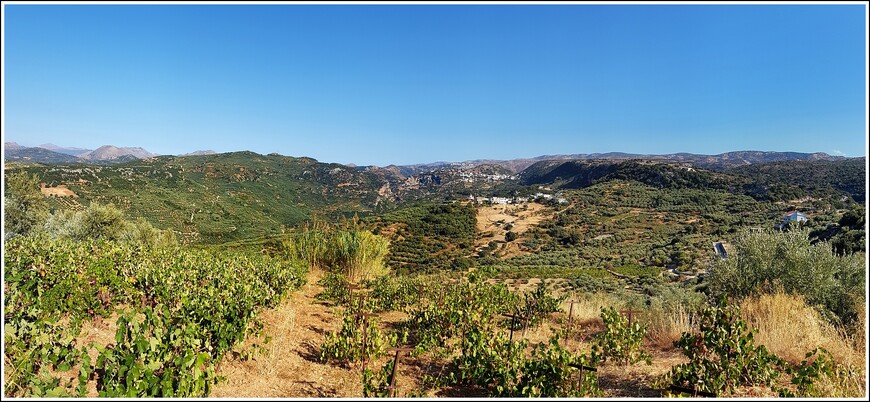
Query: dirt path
<point x="290" y="366"/>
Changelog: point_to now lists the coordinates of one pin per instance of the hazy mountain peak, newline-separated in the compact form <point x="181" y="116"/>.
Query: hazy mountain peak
<point x="110" y="152"/>
<point x="64" y="150"/>
<point x="194" y="153"/>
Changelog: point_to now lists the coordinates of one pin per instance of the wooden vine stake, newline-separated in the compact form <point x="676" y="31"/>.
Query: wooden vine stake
<point x="365" y="327"/>
<point x="392" y="386"/>
<point x="630" y="314"/>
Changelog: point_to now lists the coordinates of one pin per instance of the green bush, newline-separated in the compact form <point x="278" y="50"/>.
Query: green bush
<point x="376" y="384"/>
<point x="763" y="260"/>
<point x="354" y="340"/>
<point x="539" y="303"/>
<point x="723" y="354"/>
<point x="24" y="206"/>
<point x="355" y="253"/>
<point x="620" y="341"/>
<point x="106" y="222"/>
<point x="489" y="360"/>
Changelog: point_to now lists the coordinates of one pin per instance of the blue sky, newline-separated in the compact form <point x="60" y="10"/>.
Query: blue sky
<point x="380" y="84"/>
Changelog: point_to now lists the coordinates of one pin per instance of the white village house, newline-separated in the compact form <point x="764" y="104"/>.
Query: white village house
<point x="792" y="216"/>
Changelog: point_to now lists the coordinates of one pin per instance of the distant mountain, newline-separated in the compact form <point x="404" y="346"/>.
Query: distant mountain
<point x="111" y="152"/>
<point x="65" y="150"/>
<point x="12" y="145"/>
<point x="37" y="155"/>
<point x="194" y="153"/>
<point x="716" y="162"/>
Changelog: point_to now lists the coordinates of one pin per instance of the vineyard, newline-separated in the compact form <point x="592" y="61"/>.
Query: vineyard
<point x="456" y="335"/>
<point x="178" y="312"/>
<point x="467" y="337"/>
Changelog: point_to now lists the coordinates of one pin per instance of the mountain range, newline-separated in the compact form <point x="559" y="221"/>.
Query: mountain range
<point x="715" y="162"/>
<point x="231" y="196"/>
<point x="50" y="153"/>
<point x="64" y="150"/>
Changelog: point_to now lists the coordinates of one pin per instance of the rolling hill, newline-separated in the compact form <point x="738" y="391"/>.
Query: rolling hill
<point x="776" y="181"/>
<point x="65" y="150"/>
<point x="218" y="198"/>
<point x="226" y="197"/>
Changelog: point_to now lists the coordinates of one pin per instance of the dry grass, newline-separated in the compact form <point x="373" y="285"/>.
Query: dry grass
<point x="636" y="380"/>
<point x="587" y="307"/>
<point x="790" y="328"/>
<point x="846" y="384"/>
<point x="664" y="327"/>
<point x="521" y="217"/>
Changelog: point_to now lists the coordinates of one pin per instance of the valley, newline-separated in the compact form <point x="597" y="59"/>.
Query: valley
<point x="455" y="240"/>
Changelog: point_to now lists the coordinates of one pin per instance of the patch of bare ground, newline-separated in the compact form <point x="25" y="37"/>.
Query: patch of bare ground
<point x="290" y="365"/>
<point x="57" y="191"/>
<point x="491" y="222"/>
<point x="635" y="381"/>
<point x="391" y="231"/>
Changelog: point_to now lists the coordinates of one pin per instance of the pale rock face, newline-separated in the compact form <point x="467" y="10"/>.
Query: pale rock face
<point x="109" y="152"/>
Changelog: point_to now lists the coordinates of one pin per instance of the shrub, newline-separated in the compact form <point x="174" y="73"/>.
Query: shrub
<point x="764" y="260"/>
<point x="548" y="373"/>
<point x="723" y="354"/>
<point x="334" y="288"/>
<point x="539" y="303"/>
<point x="491" y="361"/>
<point x="24" y="206"/>
<point x="620" y="342"/>
<point x="106" y="222"/>
<point x="377" y="383"/>
<point x="349" y="343"/>
<point x="356" y="253"/>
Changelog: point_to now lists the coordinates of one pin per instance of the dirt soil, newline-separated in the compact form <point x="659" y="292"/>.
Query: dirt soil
<point x="521" y="216"/>
<point x="290" y="366"/>
<point x="59" y="191"/>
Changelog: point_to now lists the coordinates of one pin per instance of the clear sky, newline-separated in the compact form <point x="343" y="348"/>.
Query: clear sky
<point x="384" y="84"/>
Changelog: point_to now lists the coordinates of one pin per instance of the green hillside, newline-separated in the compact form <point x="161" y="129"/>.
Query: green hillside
<point x="775" y="181"/>
<point x="224" y="197"/>
<point x="795" y="179"/>
<point x="621" y="223"/>
<point x="429" y="237"/>
<point x="243" y="197"/>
